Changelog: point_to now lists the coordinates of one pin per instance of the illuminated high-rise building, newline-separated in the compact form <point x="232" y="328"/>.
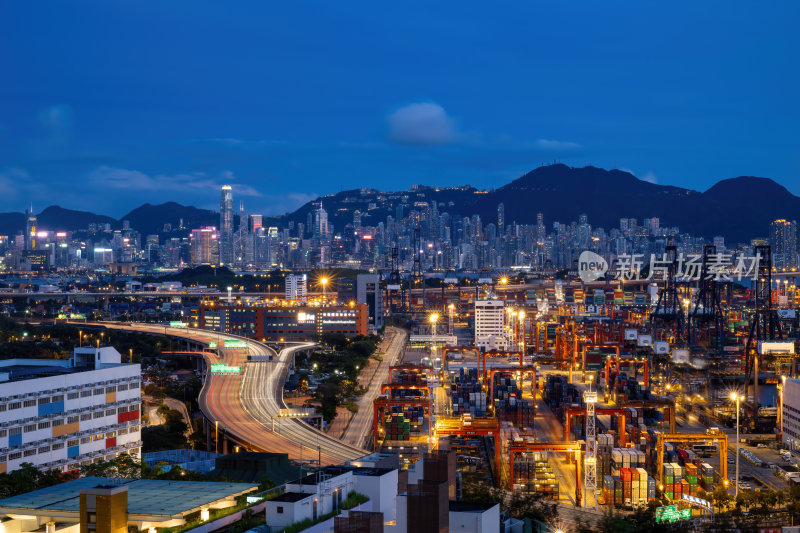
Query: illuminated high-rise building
<point x="226" y="226"/>
<point x="783" y="239"/>
<point x="30" y="230"/>
<point x="205" y="246"/>
<point x="501" y="217"/>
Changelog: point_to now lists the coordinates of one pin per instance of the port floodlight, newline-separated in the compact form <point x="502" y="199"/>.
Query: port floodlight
<point x="433" y="318"/>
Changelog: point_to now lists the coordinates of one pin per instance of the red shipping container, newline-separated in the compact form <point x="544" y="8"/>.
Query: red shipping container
<point x="625" y="474"/>
<point x="677" y="488"/>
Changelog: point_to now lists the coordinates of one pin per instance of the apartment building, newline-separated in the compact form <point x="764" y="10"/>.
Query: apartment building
<point x="490" y="325"/>
<point x="60" y="414"/>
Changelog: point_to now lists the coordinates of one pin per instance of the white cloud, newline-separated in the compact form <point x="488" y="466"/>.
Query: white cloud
<point x="556" y="146"/>
<point x="650" y="177"/>
<point x="135" y="180"/>
<point x="424" y="123"/>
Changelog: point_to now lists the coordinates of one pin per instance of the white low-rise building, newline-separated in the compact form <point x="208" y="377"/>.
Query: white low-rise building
<point x="490" y="324"/>
<point x="61" y="414"/>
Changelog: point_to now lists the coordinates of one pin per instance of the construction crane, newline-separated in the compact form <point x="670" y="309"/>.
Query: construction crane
<point x="714" y="437"/>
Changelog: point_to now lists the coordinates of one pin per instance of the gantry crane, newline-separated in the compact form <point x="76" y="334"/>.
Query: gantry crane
<point x="547" y="447"/>
<point x="711" y="437"/>
<point x="581" y="411"/>
<point x="488" y="376"/>
<point x="482" y="358"/>
<point x="597" y="347"/>
<point x="382" y="402"/>
<point x="392" y="369"/>
<point x="616" y="361"/>
<point x="477" y="426"/>
<point x="664" y="403"/>
<point x="426" y="390"/>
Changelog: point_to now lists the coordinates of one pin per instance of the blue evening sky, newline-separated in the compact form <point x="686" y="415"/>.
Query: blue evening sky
<point x="107" y="104"/>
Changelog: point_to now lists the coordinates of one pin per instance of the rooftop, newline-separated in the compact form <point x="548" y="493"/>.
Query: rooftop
<point x="470" y="507"/>
<point x="146" y="497"/>
<point x="290" y="497"/>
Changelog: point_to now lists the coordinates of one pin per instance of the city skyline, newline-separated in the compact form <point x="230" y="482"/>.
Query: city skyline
<point x="468" y="99"/>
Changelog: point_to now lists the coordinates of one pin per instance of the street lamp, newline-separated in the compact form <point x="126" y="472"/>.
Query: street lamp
<point x="433" y="319"/>
<point x="324" y="282"/>
<point x="736" y="397"/>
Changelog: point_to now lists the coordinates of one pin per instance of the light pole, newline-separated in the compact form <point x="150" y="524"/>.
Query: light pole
<point x="735" y="396"/>
<point x="230" y="298"/>
<point x="522" y="339"/>
<point x="324" y="282"/>
<point x="433" y="319"/>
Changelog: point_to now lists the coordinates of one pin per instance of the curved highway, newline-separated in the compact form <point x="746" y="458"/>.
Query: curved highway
<point x="247" y="405"/>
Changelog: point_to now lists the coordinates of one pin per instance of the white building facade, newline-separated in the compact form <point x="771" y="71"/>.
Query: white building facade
<point x="61" y="414"/>
<point x="791" y="414"/>
<point x="490" y="325"/>
<point x="296" y="286"/>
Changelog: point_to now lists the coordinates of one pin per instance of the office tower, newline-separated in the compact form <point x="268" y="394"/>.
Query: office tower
<point x="30" y="230"/>
<point x="501" y="216"/>
<point x="205" y="246"/>
<point x="254" y="223"/>
<point x="296" y="286"/>
<point x="226" y="226"/>
<point x="321" y="230"/>
<point x="783" y="239"/>
<point x="368" y="291"/>
<point x="490" y="325"/>
<point x="59" y="413"/>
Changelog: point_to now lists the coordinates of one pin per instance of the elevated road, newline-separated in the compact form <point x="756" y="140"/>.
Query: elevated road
<point x="246" y="406"/>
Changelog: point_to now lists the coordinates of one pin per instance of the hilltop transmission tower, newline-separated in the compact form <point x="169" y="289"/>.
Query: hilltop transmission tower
<point x="590" y="460"/>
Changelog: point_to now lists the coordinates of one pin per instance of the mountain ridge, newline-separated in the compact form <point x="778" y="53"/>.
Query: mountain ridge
<point x="739" y="208"/>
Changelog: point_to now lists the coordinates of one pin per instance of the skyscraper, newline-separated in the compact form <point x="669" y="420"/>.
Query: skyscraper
<point x="501" y="217"/>
<point x="321" y="230"/>
<point x="783" y="239"/>
<point x="226" y="226"/>
<point x="30" y="230"/>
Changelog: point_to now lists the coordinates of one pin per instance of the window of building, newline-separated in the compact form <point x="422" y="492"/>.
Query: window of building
<point x="122" y="387"/>
<point x="280" y="509"/>
<point x="73" y="395"/>
<point x="72" y="442"/>
<point x="98" y="392"/>
<point x="111" y="434"/>
<point x="99" y="436"/>
<point x="15" y="455"/>
<point x="28" y="453"/>
<point x="44" y="425"/>
<point x="98" y="414"/>
<point x="72" y="419"/>
<point x="58" y="445"/>
<point x="14" y="405"/>
<point x="111" y="412"/>
<point x="57" y="398"/>
<point x="3" y="433"/>
<point x="86" y="440"/>
<point x="29" y="403"/>
<point x="109" y="390"/>
<point x="86" y="393"/>
<point x="2" y="406"/>
<point x="29" y="428"/>
<point x="86" y="416"/>
<point x="58" y="422"/>
<point x="43" y="401"/>
<point x="44" y="449"/>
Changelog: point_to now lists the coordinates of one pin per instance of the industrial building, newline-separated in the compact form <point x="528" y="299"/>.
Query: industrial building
<point x="290" y="323"/>
<point x="490" y="325"/>
<point x="61" y="414"/>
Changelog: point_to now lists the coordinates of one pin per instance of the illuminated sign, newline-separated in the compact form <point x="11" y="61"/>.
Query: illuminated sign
<point x="222" y="368"/>
<point x="305" y="318"/>
<point x="178" y="324"/>
<point x="212" y="345"/>
<point x="235" y="344"/>
<point x="671" y="513"/>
